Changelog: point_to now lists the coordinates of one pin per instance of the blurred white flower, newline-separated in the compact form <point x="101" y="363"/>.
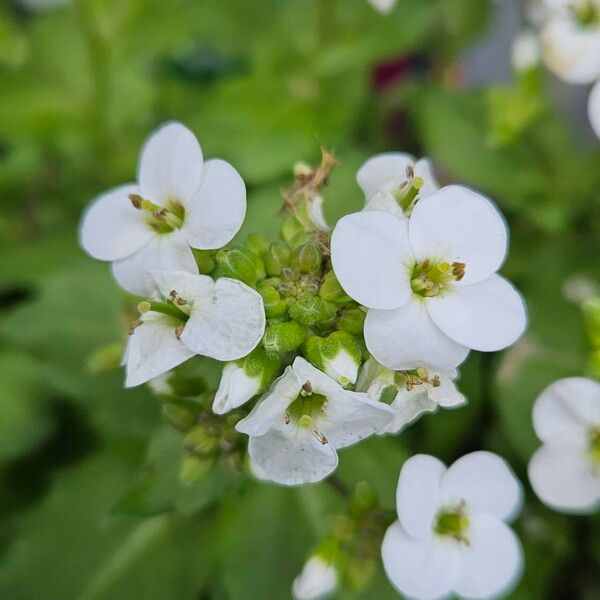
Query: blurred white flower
<point x="383" y="6"/>
<point x="430" y="283"/>
<point x="317" y="580"/>
<point x="192" y="314"/>
<point x="395" y="181"/>
<point x="411" y="393"/>
<point x="594" y="108"/>
<point x="178" y="202"/>
<point x="297" y="426"/>
<point x="451" y="535"/>
<point x="526" y="52"/>
<point x="565" y="471"/>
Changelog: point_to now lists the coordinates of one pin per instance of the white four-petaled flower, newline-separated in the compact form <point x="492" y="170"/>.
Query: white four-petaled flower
<point x="451" y="535"/>
<point x="297" y="426"/>
<point x="180" y="202"/>
<point x="192" y="314"/>
<point x="430" y="283"/>
<point x="565" y="471"/>
<point x="317" y="580"/>
<point x="412" y="392"/>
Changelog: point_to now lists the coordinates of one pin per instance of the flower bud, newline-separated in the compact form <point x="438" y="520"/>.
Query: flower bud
<point x="257" y="244"/>
<point x="363" y="499"/>
<point x="307" y="258"/>
<point x="291" y="228"/>
<point x="275" y="307"/>
<point x="318" y="579"/>
<point x="331" y="290"/>
<point x="179" y="416"/>
<point x="283" y="337"/>
<point x="205" y="259"/>
<point x="338" y="355"/>
<point x="193" y="468"/>
<point x="242" y="380"/>
<point x="278" y="257"/>
<point x="241" y="264"/>
<point x="197" y="441"/>
<point x="307" y="310"/>
<point x="105" y="358"/>
<point x="352" y="320"/>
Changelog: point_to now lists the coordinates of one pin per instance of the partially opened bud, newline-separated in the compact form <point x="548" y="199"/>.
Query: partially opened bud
<point x="338" y="355"/>
<point x="242" y="380"/>
<point x="283" y="337"/>
<point x="278" y="257"/>
<point x="241" y="264"/>
<point x="317" y="580"/>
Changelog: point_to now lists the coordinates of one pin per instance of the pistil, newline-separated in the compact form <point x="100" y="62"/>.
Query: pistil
<point x="160" y="218"/>
<point x="453" y="523"/>
<point x="429" y="279"/>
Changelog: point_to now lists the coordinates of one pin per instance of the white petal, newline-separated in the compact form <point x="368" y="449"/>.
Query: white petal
<point x="491" y="562"/>
<point x="371" y="258"/>
<point x="563" y="477"/>
<point x="268" y="411"/>
<point x="153" y="349"/>
<point x="408" y="406"/>
<point x="567" y="408"/>
<point x="418" y="494"/>
<point x="383" y="172"/>
<point x="235" y="389"/>
<point x="594" y="108"/>
<point x="217" y="210"/>
<point x="343" y="366"/>
<point x="317" y="580"/>
<point x="384" y="201"/>
<point x="170" y="166"/>
<point x="485" y="316"/>
<point x="570" y="51"/>
<point x="226" y="324"/>
<point x="423" y="570"/>
<point x="169" y="251"/>
<point x="407" y="338"/>
<point x="371" y="373"/>
<point x="485" y="482"/>
<point x="456" y="224"/>
<point x="189" y="286"/>
<point x="292" y="455"/>
<point x="446" y="394"/>
<point x="111" y="228"/>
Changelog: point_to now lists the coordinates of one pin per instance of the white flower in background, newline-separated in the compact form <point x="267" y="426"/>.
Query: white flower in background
<point x="317" y="580"/>
<point x="179" y="202"/>
<point x="383" y="6"/>
<point x="430" y="283"/>
<point x="395" y="181"/>
<point x="451" y="535"/>
<point x="297" y="426"/>
<point x="409" y="393"/>
<point x="565" y="471"/>
<point x="192" y="314"/>
<point x="526" y="53"/>
<point x="594" y="108"/>
<point x="570" y="40"/>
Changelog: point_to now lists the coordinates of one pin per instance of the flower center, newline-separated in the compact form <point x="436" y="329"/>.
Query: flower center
<point x="161" y="219"/>
<point x="175" y="307"/>
<point x="586" y="12"/>
<point x="429" y="279"/>
<point x="453" y="523"/>
<point x="420" y="376"/>
<point x="306" y="409"/>
<point x="594" y="446"/>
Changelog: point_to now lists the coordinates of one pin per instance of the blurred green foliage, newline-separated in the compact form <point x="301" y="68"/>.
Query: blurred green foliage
<point x="91" y="505"/>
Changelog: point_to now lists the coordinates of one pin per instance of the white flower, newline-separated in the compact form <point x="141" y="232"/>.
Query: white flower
<point x="394" y="181"/>
<point x="383" y="6"/>
<point x="317" y="580"/>
<point x="451" y="535"/>
<point x="525" y="51"/>
<point x="297" y="426"/>
<point x="571" y="40"/>
<point x="192" y="314"/>
<point x="178" y="202"/>
<point x="594" y="108"/>
<point x="236" y="388"/>
<point x="412" y="393"/>
<point x="430" y="283"/>
<point x="565" y="471"/>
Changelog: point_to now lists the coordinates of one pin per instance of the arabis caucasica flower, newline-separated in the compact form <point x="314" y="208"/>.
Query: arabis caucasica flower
<point x="409" y="393"/>
<point x="395" y="181"/>
<point x="297" y="426"/>
<point x="317" y="580"/>
<point x="179" y="202"/>
<point x="565" y="471"/>
<point x="430" y="283"/>
<point x="192" y="314"/>
<point x="451" y="535"/>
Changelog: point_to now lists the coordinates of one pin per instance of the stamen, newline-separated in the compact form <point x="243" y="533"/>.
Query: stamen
<point x="179" y="330"/>
<point x="287" y="417"/>
<point x="134" y="326"/>
<point x="320" y="436"/>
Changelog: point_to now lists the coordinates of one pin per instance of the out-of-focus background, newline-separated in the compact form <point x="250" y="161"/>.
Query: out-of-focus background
<point x="91" y="506"/>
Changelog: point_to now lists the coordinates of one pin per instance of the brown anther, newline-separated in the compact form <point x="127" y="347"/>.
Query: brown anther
<point x="323" y="407"/>
<point x="409" y="385"/>
<point x="425" y="265"/>
<point x="458" y="270"/>
<point x="173" y="294"/>
<point x="179" y="331"/>
<point x="136" y="200"/>
<point x="159" y="214"/>
<point x="181" y="302"/>
<point x="134" y="326"/>
<point x="286" y="417"/>
<point x="320" y="437"/>
<point x="410" y="172"/>
<point x="307" y="388"/>
<point x="435" y="382"/>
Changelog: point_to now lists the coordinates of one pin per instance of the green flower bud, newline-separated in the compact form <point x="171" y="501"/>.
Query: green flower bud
<point x="258" y="244"/>
<point x="205" y="259"/>
<point x="278" y="257"/>
<point x="105" y="358"/>
<point x="329" y="315"/>
<point x="179" y="416"/>
<point x="283" y="337"/>
<point x="197" y="441"/>
<point x="307" y="310"/>
<point x="300" y="238"/>
<point x="338" y="355"/>
<point x="258" y="364"/>
<point x="291" y="227"/>
<point x="289" y="274"/>
<point x="352" y="320"/>
<point x="194" y="468"/>
<point x="363" y="499"/>
<point x="331" y="290"/>
<point x="307" y="258"/>
<point x="275" y="307"/>
<point x="309" y="284"/>
<point x="241" y="264"/>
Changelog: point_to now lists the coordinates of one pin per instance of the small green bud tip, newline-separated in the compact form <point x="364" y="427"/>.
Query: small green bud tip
<point x="144" y="306"/>
<point x="194" y="468"/>
<point x="452" y="523"/>
<point x="305" y="421"/>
